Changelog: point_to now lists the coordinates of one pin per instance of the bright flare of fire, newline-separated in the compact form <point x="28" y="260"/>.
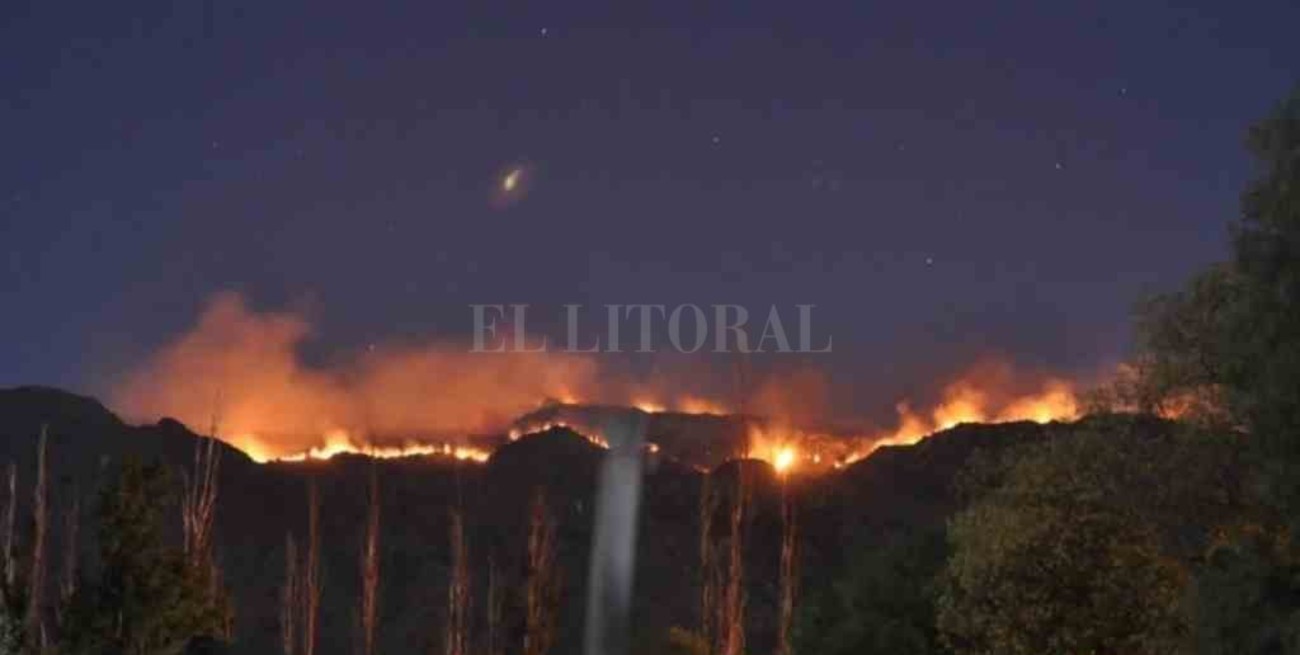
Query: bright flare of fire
<point x="681" y="405"/>
<point x="595" y="439"/>
<point x="785" y="450"/>
<point x="965" y="402"/>
<point x="337" y="442"/>
<point x="785" y="459"/>
<point x="647" y="406"/>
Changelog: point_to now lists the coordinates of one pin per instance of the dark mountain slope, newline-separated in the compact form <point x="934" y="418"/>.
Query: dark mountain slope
<point x="895" y="489"/>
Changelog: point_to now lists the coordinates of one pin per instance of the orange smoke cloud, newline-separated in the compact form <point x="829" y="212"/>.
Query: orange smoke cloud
<point x="242" y="369"/>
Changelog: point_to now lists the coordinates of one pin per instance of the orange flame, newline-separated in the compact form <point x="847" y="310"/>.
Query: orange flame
<point x="965" y="402"/>
<point x="338" y="442"/>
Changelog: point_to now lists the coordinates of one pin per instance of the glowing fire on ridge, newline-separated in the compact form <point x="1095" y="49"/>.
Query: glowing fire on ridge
<point x="241" y="367"/>
<point x="338" y="442"/>
<point x="964" y="402"/>
<point x="595" y="439"/>
<point x="789" y="450"/>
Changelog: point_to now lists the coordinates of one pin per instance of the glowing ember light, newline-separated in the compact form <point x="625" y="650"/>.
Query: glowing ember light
<point x="779" y="448"/>
<point x="252" y="446"/>
<point x="690" y="405"/>
<point x="647" y="406"/>
<point x="784" y="460"/>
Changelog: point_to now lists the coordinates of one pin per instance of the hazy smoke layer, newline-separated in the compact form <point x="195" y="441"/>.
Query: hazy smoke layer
<point x="243" y="368"/>
<point x="244" y="371"/>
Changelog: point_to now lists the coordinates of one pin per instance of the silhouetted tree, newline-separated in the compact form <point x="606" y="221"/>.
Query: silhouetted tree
<point x="1086" y="542"/>
<point x="1227" y="347"/>
<point x="883" y="603"/>
<point x="145" y="600"/>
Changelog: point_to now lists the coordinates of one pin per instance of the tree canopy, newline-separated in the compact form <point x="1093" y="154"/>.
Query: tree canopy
<point x="146" y="600"/>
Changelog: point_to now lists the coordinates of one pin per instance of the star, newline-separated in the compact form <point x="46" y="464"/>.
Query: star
<point x="544" y="31"/>
<point x="511" y="180"/>
<point x="716" y="139"/>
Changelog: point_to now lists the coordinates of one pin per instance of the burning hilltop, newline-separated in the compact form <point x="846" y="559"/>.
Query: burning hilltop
<point x="238" y="374"/>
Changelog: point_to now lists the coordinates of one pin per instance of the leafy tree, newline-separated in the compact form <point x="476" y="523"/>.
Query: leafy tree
<point x="1233" y="334"/>
<point x="146" y="599"/>
<point x="884" y="604"/>
<point x="1085" y="543"/>
<point x="1245" y="595"/>
<point x="1230" y="342"/>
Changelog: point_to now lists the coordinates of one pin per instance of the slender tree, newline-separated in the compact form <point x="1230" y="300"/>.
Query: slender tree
<point x="11" y="512"/>
<point x="311" y="574"/>
<point x="36" y="578"/>
<point x="458" y="589"/>
<point x="68" y="577"/>
<point x="289" y="595"/>
<point x="495" y="610"/>
<point x="199" y="503"/>
<point x="708" y="565"/>
<point x="789" y="572"/>
<point x="731" y="622"/>
<point x="543" y="580"/>
<point x="370" y="566"/>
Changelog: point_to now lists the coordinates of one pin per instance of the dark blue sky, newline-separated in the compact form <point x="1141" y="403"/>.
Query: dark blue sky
<point x="942" y="180"/>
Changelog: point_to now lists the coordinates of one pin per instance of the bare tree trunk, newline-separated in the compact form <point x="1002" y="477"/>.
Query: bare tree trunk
<point x="458" y="590"/>
<point x="68" y="578"/>
<point x="289" y="595"/>
<point x="198" y="514"/>
<point x="732" y="616"/>
<point x="198" y="507"/>
<point x="543" y="581"/>
<point x="708" y="567"/>
<point x="370" y="567"/>
<point x="495" y="610"/>
<point x="36" y="581"/>
<point x="11" y="511"/>
<point x="311" y="575"/>
<point x="789" y="571"/>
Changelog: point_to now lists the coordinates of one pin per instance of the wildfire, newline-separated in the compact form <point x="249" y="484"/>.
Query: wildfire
<point x="965" y="402"/>
<point x="595" y="439"/>
<point x="970" y="399"/>
<point x="786" y="450"/>
<point x="648" y="406"/>
<point x="682" y="405"/>
<point x="785" y="459"/>
<point x="691" y="405"/>
<point x="338" y="442"/>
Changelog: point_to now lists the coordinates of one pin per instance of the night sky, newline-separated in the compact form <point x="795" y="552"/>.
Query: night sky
<point x="944" y="181"/>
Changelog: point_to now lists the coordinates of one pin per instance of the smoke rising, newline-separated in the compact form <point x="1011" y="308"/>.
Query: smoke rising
<point x="244" y="369"/>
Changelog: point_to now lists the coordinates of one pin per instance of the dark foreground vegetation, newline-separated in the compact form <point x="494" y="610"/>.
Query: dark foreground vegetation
<point x="1121" y="533"/>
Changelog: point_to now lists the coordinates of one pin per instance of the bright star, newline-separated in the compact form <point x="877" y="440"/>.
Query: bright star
<point x="511" y="185"/>
<point x="511" y="180"/>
